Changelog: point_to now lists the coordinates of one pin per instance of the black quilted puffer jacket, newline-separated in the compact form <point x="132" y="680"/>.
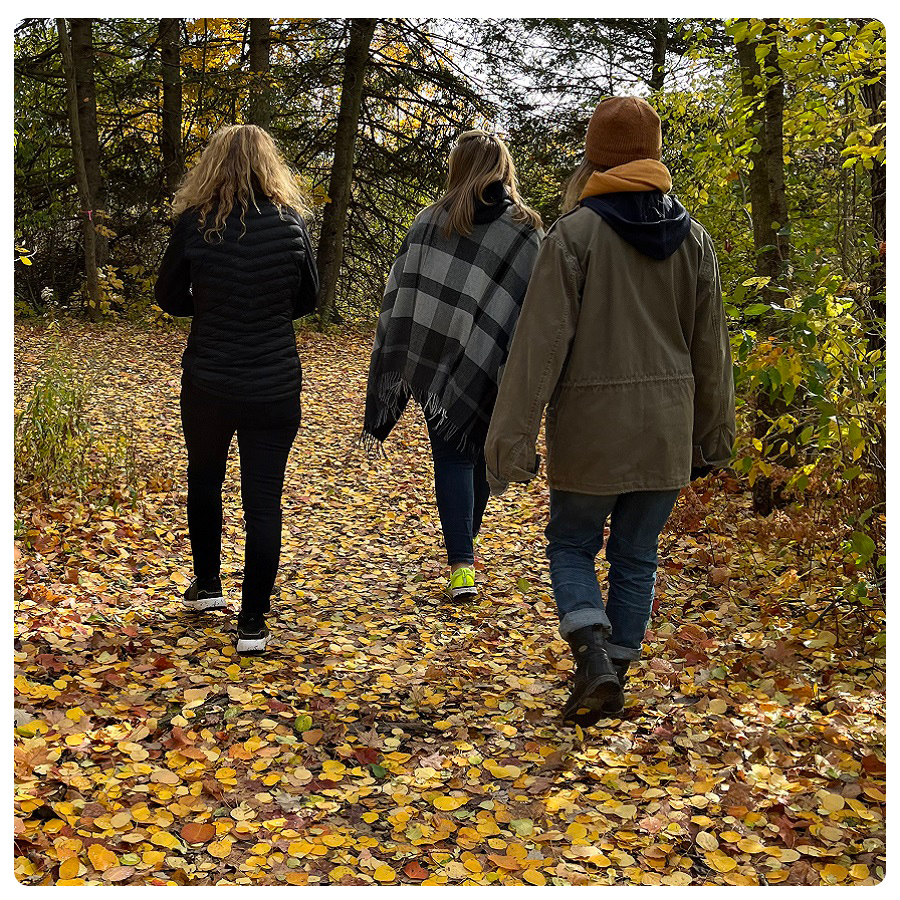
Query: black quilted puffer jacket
<point x="243" y="293"/>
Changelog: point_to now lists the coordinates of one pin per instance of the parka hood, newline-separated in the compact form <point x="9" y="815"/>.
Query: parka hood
<point x="654" y="223"/>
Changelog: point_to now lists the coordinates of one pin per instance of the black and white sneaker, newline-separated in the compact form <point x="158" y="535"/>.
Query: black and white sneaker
<point x="252" y="635"/>
<point x="204" y="594"/>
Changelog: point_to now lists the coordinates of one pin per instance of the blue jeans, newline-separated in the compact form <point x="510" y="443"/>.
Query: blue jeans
<point x="461" y="490"/>
<point x="575" y="537"/>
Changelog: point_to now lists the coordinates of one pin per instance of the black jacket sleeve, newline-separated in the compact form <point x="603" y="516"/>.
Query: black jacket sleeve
<point x="173" y="281"/>
<point x="307" y="290"/>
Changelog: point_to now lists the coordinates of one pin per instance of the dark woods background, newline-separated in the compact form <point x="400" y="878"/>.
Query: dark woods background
<point x="773" y="130"/>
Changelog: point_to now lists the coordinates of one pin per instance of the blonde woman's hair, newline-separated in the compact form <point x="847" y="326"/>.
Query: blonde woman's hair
<point x="575" y="185"/>
<point x="239" y="163"/>
<point x="477" y="160"/>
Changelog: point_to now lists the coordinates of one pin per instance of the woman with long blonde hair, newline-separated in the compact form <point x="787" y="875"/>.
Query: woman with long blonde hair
<point x="239" y="261"/>
<point x="450" y="307"/>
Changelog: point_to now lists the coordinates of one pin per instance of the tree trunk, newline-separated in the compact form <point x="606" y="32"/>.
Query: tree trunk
<point x="259" y="106"/>
<point x="334" y="220"/>
<point x="764" y="91"/>
<point x="874" y="97"/>
<point x="660" y="44"/>
<point x="758" y="178"/>
<point x="82" y="44"/>
<point x="81" y="176"/>
<point x="773" y="149"/>
<point x="170" y="134"/>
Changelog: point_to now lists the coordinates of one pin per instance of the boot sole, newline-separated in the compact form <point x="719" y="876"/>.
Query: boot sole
<point x="602" y="692"/>
<point x="205" y="604"/>
<point x="252" y="645"/>
<point x="456" y="593"/>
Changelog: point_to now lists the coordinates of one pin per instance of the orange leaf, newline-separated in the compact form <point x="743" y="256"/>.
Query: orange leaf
<point x="101" y="858"/>
<point x="69" y="868"/>
<point x="505" y="862"/>
<point x="415" y="871"/>
<point x="195" y="833"/>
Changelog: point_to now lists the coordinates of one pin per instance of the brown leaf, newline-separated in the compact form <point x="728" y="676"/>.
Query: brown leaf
<point x="197" y="833"/>
<point x="873" y="765"/>
<point x="802" y="872"/>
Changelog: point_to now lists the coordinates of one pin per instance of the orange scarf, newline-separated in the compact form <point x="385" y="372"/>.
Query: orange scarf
<point x="637" y="175"/>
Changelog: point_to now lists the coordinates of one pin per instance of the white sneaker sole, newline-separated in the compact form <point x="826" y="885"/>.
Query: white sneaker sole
<point x="252" y="645"/>
<point x="463" y="592"/>
<point x="205" y="604"/>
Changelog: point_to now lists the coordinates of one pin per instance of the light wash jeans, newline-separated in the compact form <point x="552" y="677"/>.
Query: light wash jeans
<point x="575" y="537"/>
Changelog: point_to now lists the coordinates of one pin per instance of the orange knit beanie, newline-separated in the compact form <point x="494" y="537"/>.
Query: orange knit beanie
<point x="623" y="129"/>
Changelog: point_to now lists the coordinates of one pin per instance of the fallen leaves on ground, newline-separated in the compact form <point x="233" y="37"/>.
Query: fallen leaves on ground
<point x="388" y="736"/>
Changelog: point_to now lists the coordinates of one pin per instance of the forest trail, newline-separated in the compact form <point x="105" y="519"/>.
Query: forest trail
<point x="388" y="736"/>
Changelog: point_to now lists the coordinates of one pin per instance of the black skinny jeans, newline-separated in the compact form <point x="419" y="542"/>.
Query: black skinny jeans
<point x="265" y="432"/>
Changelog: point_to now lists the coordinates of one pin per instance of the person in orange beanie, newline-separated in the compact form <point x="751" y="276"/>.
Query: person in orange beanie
<point x="622" y="333"/>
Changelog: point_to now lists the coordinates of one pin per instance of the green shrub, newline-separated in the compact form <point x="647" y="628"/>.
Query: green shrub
<point x="52" y="434"/>
<point x="56" y="449"/>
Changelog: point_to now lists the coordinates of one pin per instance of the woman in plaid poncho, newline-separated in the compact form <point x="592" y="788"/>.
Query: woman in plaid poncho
<point x="450" y="307"/>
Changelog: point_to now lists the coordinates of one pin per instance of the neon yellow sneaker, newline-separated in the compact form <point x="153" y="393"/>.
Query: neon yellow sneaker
<point x="462" y="583"/>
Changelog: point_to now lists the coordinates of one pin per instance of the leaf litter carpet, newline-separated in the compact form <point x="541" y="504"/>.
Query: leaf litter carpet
<point x="388" y="736"/>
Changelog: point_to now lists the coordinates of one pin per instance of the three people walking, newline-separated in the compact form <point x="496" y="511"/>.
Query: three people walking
<point x="614" y="322"/>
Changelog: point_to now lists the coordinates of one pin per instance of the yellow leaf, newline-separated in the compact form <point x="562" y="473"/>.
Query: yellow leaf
<point x="385" y="873"/>
<point x="533" y="876"/>
<point x="503" y="771"/>
<point x="70" y="867"/>
<point x="859" y="871"/>
<point x="101" y="858"/>
<point x="749" y="845"/>
<point x="339" y="872"/>
<point x="738" y="878"/>
<point x="220" y="849"/>
<point x="370" y="817"/>
<point x="446" y="803"/>
<point x="720" y="862"/>
<point x="165" y="839"/>
<point x="835" y="871"/>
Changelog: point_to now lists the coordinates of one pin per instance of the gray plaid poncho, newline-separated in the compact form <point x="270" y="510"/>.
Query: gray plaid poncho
<point x="449" y="312"/>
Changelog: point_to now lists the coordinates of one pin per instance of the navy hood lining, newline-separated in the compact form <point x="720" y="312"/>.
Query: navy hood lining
<point x="654" y="223"/>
